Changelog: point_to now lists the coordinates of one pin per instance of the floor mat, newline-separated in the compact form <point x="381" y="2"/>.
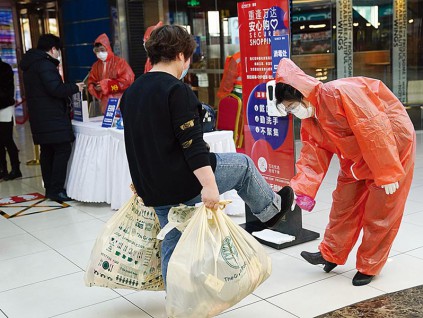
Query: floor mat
<point x="407" y="303"/>
<point x="28" y="204"/>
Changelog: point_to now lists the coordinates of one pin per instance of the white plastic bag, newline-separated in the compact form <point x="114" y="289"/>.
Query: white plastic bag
<point x="215" y="265"/>
<point x="127" y="253"/>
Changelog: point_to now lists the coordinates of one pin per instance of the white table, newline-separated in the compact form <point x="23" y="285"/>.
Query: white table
<point x="98" y="169"/>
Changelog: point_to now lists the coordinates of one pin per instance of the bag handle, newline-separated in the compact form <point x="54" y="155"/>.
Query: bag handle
<point x="182" y="225"/>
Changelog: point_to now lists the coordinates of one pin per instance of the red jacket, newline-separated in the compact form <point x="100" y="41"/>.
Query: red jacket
<point x="114" y="75"/>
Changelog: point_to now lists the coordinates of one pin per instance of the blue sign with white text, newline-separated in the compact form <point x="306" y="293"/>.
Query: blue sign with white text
<point x="110" y="113"/>
<point x="280" y="50"/>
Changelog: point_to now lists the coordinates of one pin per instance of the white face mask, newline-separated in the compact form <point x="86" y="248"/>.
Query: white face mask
<point x="102" y="56"/>
<point x="300" y="111"/>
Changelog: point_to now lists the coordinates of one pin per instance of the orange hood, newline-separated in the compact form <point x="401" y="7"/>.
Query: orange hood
<point x="289" y="73"/>
<point x="150" y="29"/>
<point x="103" y="39"/>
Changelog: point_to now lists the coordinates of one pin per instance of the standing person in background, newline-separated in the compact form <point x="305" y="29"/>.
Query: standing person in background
<point x="7" y="111"/>
<point x="47" y="98"/>
<point x="110" y="75"/>
<point x="232" y="77"/>
<point x="147" y="34"/>
<point x="169" y="160"/>
<point x="362" y="122"/>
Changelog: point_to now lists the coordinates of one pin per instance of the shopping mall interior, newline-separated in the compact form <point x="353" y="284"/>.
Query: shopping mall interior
<point x="45" y="245"/>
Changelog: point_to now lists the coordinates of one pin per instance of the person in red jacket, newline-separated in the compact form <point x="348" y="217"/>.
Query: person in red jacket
<point x="232" y="77"/>
<point x="361" y="121"/>
<point x="110" y="75"/>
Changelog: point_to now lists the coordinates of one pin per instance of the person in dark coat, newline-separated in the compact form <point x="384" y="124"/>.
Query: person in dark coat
<point x="7" y="111"/>
<point x="47" y="98"/>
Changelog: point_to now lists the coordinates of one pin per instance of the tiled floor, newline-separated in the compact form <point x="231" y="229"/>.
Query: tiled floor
<point x="43" y="257"/>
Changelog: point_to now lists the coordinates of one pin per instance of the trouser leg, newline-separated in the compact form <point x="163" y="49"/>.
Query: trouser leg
<point x="46" y="163"/>
<point x="381" y="222"/>
<point x="237" y="172"/>
<point x="171" y="238"/>
<point x="61" y="155"/>
<point x="3" y="162"/>
<point x="345" y="219"/>
<point x="10" y="145"/>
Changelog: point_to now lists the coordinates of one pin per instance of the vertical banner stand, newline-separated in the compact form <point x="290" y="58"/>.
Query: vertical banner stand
<point x="264" y="34"/>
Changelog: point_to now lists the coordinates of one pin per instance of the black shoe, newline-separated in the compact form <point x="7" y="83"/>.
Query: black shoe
<point x="316" y="259"/>
<point x="3" y="174"/>
<point x="361" y="279"/>
<point x="61" y="196"/>
<point x="14" y="174"/>
<point x="287" y="199"/>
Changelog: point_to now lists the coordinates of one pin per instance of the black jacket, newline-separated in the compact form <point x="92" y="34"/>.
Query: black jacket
<point x="7" y="85"/>
<point x="164" y="139"/>
<point x="47" y="98"/>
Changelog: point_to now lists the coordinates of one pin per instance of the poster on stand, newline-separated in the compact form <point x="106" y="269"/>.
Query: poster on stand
<point x="110" y="114"/>
<point x="264" y="35"/>
<point x="80" y="108"/>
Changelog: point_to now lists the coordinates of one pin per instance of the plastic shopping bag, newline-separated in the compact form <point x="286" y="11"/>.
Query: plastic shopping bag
<point x="215" y="265"/>
<point x="127" y="253"/>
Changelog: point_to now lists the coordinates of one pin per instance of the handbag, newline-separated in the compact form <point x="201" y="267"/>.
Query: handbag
<point x="127" y="253"/>
<point x="215" y="264"/>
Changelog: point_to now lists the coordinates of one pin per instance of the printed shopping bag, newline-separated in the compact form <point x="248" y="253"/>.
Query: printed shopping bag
<point x="127" y="253"/>
<point x="215" y="264"/>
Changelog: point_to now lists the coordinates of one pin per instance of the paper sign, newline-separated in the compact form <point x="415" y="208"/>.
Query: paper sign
<point x="110" y="113"/>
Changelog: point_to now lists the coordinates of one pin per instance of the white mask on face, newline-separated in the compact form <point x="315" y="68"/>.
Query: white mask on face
<point x="300" y="111"/>
<point x="102" y="56"/>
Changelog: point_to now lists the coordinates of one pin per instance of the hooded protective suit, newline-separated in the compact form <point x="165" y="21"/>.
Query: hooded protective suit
<point x="361" y="121"/>
<point x="148" y="66"/>
<point x="114" y="75"/>
<point x="232" y="77"/>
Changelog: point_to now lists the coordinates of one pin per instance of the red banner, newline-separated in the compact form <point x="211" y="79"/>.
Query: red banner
<point x="264" y="40"/>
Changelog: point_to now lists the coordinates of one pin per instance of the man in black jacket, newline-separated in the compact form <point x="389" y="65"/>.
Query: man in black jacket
<point x="7" y="110"/>
<point x="49" y="113"/>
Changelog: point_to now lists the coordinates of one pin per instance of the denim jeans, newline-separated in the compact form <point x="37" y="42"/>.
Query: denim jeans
<point x="233" y="172"/>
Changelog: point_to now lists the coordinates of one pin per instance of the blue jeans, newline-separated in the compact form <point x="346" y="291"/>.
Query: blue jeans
<point x="233" y="172"/>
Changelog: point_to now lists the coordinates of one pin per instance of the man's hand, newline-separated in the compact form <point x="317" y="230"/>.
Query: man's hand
<point x="391" y="188"/>
<point x="97" y="87"/>
<point x="304" y="202"/>
<point x="210" y="192"/>
<point x="81" y="86"/>
<point x="210" y="196"/>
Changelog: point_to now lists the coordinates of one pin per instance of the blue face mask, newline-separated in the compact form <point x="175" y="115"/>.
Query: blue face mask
<point x="184" y="73"/>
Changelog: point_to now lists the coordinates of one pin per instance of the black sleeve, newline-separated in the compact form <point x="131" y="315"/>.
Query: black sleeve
<point x="52" y="81"/>
<point x="7" y="87"/>
<point x="184" y="109"/>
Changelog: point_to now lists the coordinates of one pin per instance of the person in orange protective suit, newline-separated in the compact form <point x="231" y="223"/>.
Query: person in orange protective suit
<point x="362" y="122"/>
<point x="110" y="75"/>
<point x="232" y="77"/>
<point x="148" y="66"/>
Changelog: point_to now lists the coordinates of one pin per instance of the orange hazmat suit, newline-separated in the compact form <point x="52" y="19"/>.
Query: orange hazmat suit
<point x="148" y="66"/>
<point x="113" y="75"/>
<point x="362" y="122"/>
<point x="232" y="75"/>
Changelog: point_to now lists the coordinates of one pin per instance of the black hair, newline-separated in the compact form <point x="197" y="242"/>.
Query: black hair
<point x="47" y="41"/>
<point x="98" y="44"/>
<point x="287" y="92"/>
